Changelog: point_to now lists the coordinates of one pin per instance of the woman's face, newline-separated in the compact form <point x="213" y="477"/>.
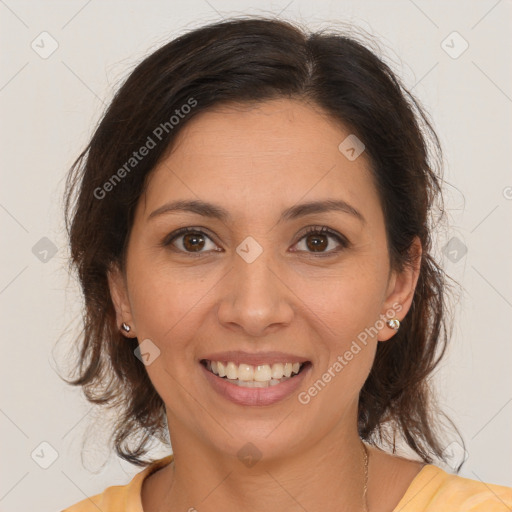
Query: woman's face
<point x="250" y="286"/>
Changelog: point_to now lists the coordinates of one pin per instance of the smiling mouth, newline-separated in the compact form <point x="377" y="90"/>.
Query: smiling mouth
<point x="254" y="376"/>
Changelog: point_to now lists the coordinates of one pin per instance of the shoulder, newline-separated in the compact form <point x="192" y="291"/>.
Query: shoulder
<point x="435" y="490"/>
<point x="120" y="497"/>
<point x="112" y="498"/>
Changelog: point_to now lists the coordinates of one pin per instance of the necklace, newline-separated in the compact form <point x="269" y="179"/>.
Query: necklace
<point x="365" y="490"/>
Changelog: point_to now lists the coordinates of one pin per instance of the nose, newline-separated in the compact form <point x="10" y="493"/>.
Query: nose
<point x="257" y="299"/>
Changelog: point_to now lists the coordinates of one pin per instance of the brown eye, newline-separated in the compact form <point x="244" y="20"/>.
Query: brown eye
<point x="193" y="242"/>
<point x="318" y="240"/>
<point x="190" y="240"/>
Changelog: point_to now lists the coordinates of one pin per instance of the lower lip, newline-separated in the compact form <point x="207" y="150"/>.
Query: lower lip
<point x="255" y="396"/>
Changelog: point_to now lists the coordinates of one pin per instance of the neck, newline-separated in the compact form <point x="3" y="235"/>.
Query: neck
<point x="328" y="475"/>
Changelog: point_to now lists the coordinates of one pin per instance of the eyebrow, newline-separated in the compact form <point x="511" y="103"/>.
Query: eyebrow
<point x="206" y="209"/>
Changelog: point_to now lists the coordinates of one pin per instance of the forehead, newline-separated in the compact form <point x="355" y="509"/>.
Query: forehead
<point x="280" y="123"/>
<point x="248" y="155"/>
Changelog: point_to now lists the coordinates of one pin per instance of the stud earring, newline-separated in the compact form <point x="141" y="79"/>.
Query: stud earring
<point x="125" y="327"/>
<point x="394" y="323"/>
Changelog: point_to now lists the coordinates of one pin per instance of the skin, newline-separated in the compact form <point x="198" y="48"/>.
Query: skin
<point x="255" y="161"/>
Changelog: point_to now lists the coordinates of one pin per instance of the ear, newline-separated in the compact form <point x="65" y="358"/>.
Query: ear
<point x="400" y="291"/>
<point x="119" y="294"/>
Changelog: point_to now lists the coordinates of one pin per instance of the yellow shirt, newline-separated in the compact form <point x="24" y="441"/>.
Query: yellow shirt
<point x="432" y="490"/>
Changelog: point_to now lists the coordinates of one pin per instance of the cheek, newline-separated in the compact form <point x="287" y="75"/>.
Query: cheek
<point x="165" y="302"/>
<point x="345" y="308"/>
<point x="168" y="308"/>
<point x="169" y="302"/>
<point x="347" y="300"/>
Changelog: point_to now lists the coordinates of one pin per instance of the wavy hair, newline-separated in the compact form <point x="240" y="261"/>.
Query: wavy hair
<point x="253" y="59"/>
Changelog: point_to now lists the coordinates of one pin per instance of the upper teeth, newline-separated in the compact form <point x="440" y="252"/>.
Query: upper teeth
<point x="258" y="373"/>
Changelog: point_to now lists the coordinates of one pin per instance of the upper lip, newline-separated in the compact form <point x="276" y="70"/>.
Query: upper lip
<point x="255" y="358"/>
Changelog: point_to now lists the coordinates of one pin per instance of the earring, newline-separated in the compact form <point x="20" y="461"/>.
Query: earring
<point x="394" y="323"/>
<point x="125" y="327"/>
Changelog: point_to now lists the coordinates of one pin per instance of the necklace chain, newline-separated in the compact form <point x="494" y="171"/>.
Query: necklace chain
<point x="365" y="490"/>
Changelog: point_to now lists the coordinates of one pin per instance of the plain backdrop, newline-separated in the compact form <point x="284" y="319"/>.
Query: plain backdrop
<point x="60" y="64"/>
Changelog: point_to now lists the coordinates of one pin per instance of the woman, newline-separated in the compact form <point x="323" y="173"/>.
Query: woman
<point x="251" y="228"/>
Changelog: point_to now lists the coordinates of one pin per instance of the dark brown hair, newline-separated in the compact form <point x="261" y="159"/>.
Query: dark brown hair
<point x="252" y="60"/>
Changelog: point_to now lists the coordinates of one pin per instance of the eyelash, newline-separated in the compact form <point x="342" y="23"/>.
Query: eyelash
<point x="317" y="230"/>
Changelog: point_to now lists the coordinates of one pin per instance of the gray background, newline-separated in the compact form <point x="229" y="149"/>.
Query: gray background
<point x="49" y="107"/>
